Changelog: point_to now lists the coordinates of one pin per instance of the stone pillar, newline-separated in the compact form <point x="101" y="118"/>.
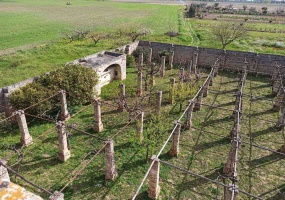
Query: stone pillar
<point x="4" y="175"/>
<point x="206" y="88"/>
<point x="139" y="126"/>
<point x="149" y="56"/>
<point x="195" y="62"/>
<point x="276" y="85"/>
<point x="170" y="64"/>
<point x="234" y="130"/>
<point x="158" y="101"/>
<point x="280" y="123"/>
<point x="154" y="188"/>
<point x="64" y="152"/>
<point x="174" y="151"/>
<point x="181" y="74"/>
<point x="228" y="191"/>
<point x="171" y="90"/>
<point x="57" y="196"/>
<point x="122" y="97"/>
<point x="98" y="125"/>
<point x="152" y="81"/>
<point x="140" y="84"/>
<point x="26" y="138"/>
<point x="111" y="172"/>
<point x="8" y="108"/>
<point x="211" y="80"/>
<point x="197" y="106"/>
<point x="229" y="166"/>
<point x="162" y="67"/>
<point x="278" y="102"/>
<point x="141" y="62"/>
<point x="64" y="112"/>
<point x="188" y="122"/>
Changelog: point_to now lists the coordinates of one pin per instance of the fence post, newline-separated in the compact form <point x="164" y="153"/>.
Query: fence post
<point x="188" y="122"/>
<point x="98" y="125"/>
<point x="64" y="112"/>
<point x="4" y="175"/>
<point x="171" y="56"/>
<point x="149" y="56"/>
<point x="139" y="126"/>
<point x="57" y="196"/>
<point x="174" y="151"/>
<point x="26" y="138"/>
<point x="162" y="67"/>
<point x="280" y="122"/>
<point x="171" y="90"/>
<point x="278" y="102"/>
<point x="111" y="172"/>
<point x="228" y="192"/>
<point x="197" y="106"/>
<point x="158" y="101"/>
<point x="64" y="152"/>
<point x="154" y="188"/>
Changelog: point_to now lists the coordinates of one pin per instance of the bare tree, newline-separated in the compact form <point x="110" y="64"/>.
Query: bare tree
<point x="172" y="34"/>
<point x="135" y="33"/>
<point x="244" y="7"/>
<point x="226" y="33"/>
<point x="96" y="37"/>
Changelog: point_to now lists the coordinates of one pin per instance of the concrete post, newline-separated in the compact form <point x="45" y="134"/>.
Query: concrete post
<point x="152" y="81"/>
<point x="26" y="138"/>
<point x="228" y="191"/>
<point x="8" y="109"/>
<point x="229" y="166"/>
<point x="149" y="56"/>
<point x="171" y="90"/>
<point x="188" y="122"/>
<point x="234" y="130"/>
<point x="171" y="56"/>
<point x="139" y="84"/>
<point x="57" y="196"/>
<point x="181" y="74"/>
<point x="162" y="67"/>
<point x="211" y="80"/>
<point x="235" y="112"/>
<point x="195" y="62"/>
<point x="141" y="62"/>
<point x="122" y="97"/>
<point x="111" y="172"/>
<point x="280" y="123"/>
<point x="278" y="102"/>
<point x="276" y="85"/>
<point x="174" y="151"/>
<point x="154" y="188"/>
<point x="216" y="70"/>
<point x="189" y="67"/>
<point x="64" y="152"/>
<point x="4" y="175"/>
<point x="98" y="125"/>
<point x="206" y="88"/>
<point x="158" y="101"/>
<point x="139" y="126"/>
<point x="64" y="112"/>
<point x="197" y="106"/>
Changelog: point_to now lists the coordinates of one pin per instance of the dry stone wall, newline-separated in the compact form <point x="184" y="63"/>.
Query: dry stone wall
<point x="233" y="60"/>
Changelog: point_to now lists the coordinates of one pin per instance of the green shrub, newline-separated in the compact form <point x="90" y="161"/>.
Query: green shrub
<point x="76" y="80"/>
<point x="130" y="61"/>
<point x="30" y="95"/>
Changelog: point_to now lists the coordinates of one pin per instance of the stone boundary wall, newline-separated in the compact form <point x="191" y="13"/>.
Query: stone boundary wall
<point x="233" y="60"/>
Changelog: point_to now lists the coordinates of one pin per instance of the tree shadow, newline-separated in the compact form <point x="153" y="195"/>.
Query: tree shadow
<point x="208" y="145"/>
<point x="280" y="193"/>
<point x="269" y="111"/>
<point x="217" y="121"/>
<point x="227" y="104"/>
<point x="265" y="160"/>
<point x="263" y="132"/>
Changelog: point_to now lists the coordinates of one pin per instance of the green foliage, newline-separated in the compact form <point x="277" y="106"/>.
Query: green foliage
<point x="130" y="61"/>
<point x="32" y="94"/>
<point x="192" y="11"/>
<point x="153" y="131"/>
<point x="76" y="80"/>
<point x="183" y="92"/>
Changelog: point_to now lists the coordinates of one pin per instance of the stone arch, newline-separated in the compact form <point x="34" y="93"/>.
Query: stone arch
<point x="115" y="71"/>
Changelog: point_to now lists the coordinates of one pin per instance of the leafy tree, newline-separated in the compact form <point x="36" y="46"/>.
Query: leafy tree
<point x="183" y="91"/>
<point x="154" y="129"/>
<point x="226" y="33"/>
<point x="172" y="34"/>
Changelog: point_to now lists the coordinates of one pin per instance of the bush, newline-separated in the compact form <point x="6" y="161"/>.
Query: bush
<point x="76" y="80"/>
<point x="130" y="61"/>
<point x="29" y="95"/>
<point x="139" y="51"/>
